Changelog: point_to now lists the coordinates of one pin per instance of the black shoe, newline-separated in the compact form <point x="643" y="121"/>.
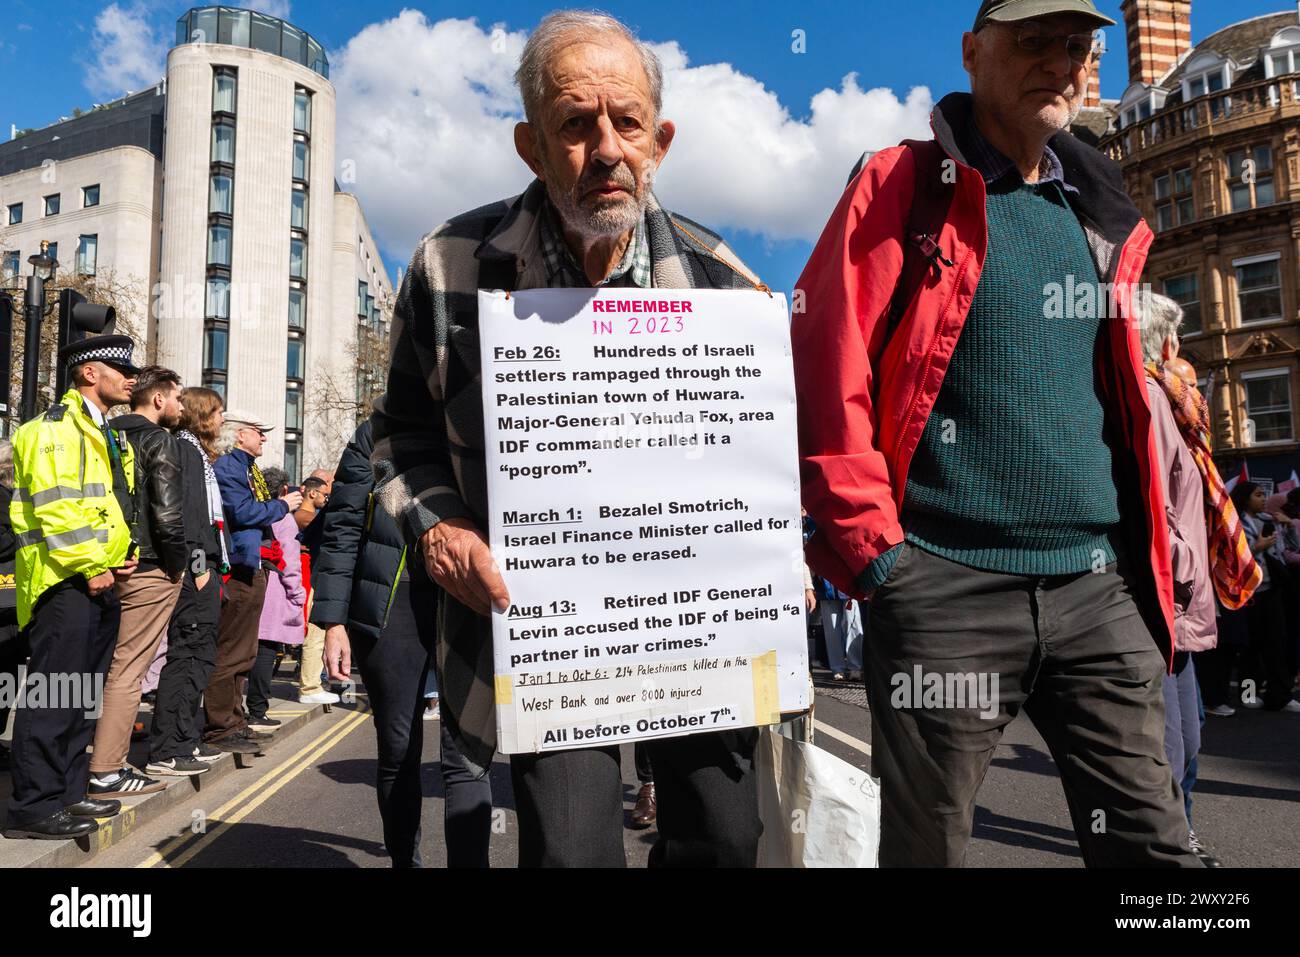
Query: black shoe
<point x="181" y="767"/>
<point x="127" y="783"/>
<point x="256" y="735"/>
<point x="93" y="808"/>
<point x="59" y="826"/>
<point x="240" y="742"/>
<point x="207" y="753"/>
<point x="264" y="723"/>
<point x="149" y="698"/>
<point x="1203" y="852"/>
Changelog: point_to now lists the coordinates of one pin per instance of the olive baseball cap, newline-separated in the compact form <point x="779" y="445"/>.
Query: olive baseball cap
<point x="1009" y="11"/>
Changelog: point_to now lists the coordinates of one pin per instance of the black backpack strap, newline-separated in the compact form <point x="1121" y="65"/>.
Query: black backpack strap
<point x="922" y="256"/>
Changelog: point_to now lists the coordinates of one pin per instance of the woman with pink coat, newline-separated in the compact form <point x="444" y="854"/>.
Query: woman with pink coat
<point x="282" y="610"/>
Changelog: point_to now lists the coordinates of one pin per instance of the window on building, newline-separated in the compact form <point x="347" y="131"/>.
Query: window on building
<point x="292" y="454"/>
<point x="302" y="111"/>
<point x="265" y="34"/>
<point x="1250" y="178"/>
<point x="216" y="347"/>
<point x="13" y="265"/>
<point x="298" y="211"/>
<point x="217" y="298"/>
<point x="224" y="91"/>
<point x="362" y="289"/>
<point x="1268" y="404"/>
<point x="1173" y="193"/>
<point x="298" y="259"/>
<point x="297" y="308"/>
<point x="295" y="366"/>
<point x="217" y="383"/>
<point x="233" y="27"/>
<point x="15" y="214"/>
<point x="1203" y="83"/>
<point x="87" y="255"/>
<point x="90" y="196"/>
<point x="223" y="143"/>
<point x="1259" y="289"/>
<point x="221" y="194"/>
<point x="293" y="410"/>
<point x="301" y="160"/>
<point x="293" y="44"/>
<point x="204" y="26"/>
<point x="53" y="252"/>
<point x="1185" y="290"/>
<point x="219" y="246"/>
<point x="52" y="204"/>
<point x="316" y="58"/>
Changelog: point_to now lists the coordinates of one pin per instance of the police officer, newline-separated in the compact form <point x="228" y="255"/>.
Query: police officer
<point x="73" y="515"/>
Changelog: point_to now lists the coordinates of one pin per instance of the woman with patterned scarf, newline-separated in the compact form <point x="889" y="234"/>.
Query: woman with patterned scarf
<point x="1208" y="547"/>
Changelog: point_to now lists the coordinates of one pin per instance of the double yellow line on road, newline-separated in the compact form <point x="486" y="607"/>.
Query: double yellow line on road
<point x="179" y="850"/>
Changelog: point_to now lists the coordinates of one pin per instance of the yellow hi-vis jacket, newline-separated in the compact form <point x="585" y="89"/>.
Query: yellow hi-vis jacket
<point x="65" y="516"/>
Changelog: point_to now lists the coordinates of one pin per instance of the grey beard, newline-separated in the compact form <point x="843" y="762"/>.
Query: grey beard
<point x="602" y="222"/>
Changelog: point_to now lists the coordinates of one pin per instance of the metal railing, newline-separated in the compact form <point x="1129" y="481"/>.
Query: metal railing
<point x="1265" y="100"/>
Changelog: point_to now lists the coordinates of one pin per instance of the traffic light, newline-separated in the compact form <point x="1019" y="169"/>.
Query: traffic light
<point x="79" y="318"/>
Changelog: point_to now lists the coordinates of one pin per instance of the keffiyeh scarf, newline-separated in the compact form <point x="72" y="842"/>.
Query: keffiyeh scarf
<point x="1233" y="569"/>
<point x="215" y="512"/>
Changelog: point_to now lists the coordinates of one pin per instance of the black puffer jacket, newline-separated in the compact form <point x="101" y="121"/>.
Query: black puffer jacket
<point x="8" y="550"/>
<point x="355" y="570"/>
<point x="158" y="494"/>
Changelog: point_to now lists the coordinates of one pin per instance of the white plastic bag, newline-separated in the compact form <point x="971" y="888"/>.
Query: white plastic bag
<point x="817" y="810"/>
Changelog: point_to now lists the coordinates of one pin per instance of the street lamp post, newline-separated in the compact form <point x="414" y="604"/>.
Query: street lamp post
<point x="43" y="267"/>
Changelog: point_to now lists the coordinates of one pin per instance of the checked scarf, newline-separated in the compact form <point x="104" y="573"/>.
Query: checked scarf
<point x="1232" y="566"/>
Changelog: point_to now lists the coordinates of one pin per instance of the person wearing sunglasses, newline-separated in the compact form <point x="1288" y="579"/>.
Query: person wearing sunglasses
<point x="980" y="463"/>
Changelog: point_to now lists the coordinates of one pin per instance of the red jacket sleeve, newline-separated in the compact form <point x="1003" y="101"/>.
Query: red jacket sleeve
<point x="838" y="334"/>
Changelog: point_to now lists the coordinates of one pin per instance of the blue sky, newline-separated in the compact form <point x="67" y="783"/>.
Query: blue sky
<point x="53" y="55"/>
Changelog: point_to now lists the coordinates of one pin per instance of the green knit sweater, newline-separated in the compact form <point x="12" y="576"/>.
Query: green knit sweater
<point x="1013" y="471"/>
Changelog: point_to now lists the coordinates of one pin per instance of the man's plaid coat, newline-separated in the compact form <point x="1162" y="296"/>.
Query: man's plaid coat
<point x="428" y="459"/>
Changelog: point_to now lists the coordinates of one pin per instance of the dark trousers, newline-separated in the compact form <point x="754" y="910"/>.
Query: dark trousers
<point x="1266" y="655"/>
<point x="570" y="804"/>
<point x="236" y="652"/>
<point x="13" y="652"/>
<point x="70" y="634"/>
<point x="641" y="760"/>
<point x="394" y="669"/>
<point x="191" y="657"/>
<point x="259" y="678"/>
<point x="1073" y="652"/>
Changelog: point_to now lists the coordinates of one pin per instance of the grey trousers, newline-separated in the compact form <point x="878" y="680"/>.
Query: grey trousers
<point x="954" y="655"/>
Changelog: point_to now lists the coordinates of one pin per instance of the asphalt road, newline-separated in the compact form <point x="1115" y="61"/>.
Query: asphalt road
<point x="310" y="802"/>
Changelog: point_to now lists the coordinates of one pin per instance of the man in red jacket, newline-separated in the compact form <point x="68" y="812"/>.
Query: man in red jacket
<point x="977" y="453"/>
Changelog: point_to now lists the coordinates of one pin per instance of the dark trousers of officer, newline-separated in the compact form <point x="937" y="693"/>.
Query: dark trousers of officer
<point x="70" y="634"/>
<point x="1074" y="653"/>
<point x="191" y="656"/>
<point x="393" y="669"/>
<point x="570" y="804"/>
<point x="13" y="652"/>
<point x="236" y="652"/>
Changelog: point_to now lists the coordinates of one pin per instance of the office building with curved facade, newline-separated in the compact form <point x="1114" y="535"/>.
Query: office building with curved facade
<point x="215" y="197"/>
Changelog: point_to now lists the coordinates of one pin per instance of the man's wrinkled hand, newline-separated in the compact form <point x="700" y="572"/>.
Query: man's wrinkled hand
<point x="338" y="653"/>
<point x="457" y="557"/>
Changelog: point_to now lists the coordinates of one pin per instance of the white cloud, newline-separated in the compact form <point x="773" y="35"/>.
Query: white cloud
<point x="272" y="8"/>
<point x="426" y="112"/>
<point x="127" y="53"/>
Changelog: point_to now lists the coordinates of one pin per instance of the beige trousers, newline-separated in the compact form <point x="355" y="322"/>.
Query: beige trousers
<point x="148" y="599"/>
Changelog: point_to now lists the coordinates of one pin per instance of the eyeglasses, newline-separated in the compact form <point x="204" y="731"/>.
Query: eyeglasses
<point x="1083" y="48"/>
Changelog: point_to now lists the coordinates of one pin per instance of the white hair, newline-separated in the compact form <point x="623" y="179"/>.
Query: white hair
<point x="226" y="440"/>
<point x="1160" y="318"/>
<point x="551" y="36"/>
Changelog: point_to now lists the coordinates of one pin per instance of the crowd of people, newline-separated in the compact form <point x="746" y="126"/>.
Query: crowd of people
<point x="158" y="562"/>
<point x="990" y="490"/>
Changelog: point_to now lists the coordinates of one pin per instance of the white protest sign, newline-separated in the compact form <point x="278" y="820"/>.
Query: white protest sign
<point x="643" y="493"/>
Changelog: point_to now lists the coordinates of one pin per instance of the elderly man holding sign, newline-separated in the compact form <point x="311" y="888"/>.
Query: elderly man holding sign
<point x="594" y="137"/>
